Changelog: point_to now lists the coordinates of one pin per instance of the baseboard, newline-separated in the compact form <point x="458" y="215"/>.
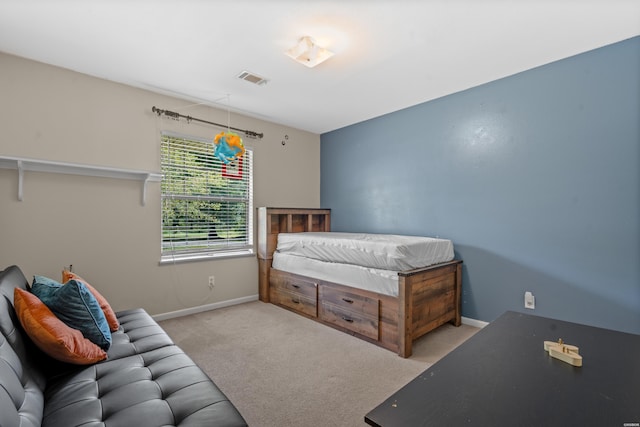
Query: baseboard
<point x="206" y="307"/>
<point x="474" y="322"/>
<point x="236" y="301"/>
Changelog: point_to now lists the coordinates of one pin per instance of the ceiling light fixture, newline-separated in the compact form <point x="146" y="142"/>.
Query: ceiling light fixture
<point x="308" y="53"/>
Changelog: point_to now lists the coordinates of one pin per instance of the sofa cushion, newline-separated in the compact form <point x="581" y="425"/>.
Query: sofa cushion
<point x="161" y="387"/>
<point x="109" y="314"/>
<point x="76" y="306"/>
<point x="21" y="399"/>
<point x="138" y="333"/>
<point x="30" y="360"/>
<point x="51" y="335"/>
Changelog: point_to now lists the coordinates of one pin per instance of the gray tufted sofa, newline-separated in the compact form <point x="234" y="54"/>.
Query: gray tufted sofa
<point x="146" y="381"/>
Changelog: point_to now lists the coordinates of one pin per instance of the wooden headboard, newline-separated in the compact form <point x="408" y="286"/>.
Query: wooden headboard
<point x="272" y="221"/>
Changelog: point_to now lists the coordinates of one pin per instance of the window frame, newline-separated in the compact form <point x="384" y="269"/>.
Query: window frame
<point x="244" y="250"/>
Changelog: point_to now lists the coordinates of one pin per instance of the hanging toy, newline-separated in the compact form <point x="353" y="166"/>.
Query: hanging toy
<point x="228" y="147"/>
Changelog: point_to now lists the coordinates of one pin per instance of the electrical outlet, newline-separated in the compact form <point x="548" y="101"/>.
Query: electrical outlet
<point x="529" y="300"/>
<point x="212" y="281"/>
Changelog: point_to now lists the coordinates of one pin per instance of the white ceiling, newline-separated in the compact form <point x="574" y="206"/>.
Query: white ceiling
<point x="389" y="54"/>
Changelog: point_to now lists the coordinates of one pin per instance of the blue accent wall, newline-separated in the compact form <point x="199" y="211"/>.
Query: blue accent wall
<point x="534" y="177"/>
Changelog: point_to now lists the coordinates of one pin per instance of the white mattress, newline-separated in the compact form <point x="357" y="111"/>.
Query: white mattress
<point x="381" y="251"/>
<point x="371" y="279"/>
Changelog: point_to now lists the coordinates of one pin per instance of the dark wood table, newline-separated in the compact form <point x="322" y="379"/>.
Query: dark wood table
<point x="502" y="376"/>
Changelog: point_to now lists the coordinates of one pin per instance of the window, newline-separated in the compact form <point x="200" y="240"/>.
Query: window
<point x="207" y="206"/>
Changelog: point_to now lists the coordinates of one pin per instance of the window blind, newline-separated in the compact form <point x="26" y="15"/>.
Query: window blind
<point x="207" y="206"/>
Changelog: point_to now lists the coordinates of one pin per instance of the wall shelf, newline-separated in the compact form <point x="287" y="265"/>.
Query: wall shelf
<point x="24" y="164"/>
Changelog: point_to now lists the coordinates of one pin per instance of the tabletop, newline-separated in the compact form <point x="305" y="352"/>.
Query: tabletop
<point x="503" y="376"/>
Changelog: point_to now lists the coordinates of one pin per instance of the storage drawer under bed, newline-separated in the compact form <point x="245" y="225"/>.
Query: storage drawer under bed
<point x="357" y="313"/>
<point x="295" y="293"/>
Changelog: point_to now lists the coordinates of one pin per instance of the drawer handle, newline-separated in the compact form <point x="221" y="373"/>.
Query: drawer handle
<point x="296" y="286"/>
<point x="350" y="301"/>
<point x="295" y="301"/>
<point x="346" y="319"/>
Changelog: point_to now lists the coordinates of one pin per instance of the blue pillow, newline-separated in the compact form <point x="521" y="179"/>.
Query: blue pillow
<point x="76" y="306"/>
<point x="46" y="287"/>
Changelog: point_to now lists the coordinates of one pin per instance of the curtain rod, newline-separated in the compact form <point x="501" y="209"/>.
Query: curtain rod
<point x="172" y="114"/>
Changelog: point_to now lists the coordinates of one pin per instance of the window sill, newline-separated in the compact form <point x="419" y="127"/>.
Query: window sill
<point x="209" y="256"/>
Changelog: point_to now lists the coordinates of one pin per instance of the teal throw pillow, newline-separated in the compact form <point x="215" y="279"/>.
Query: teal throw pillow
<point x="46" y="287"/>
<point x="76" y="306"/>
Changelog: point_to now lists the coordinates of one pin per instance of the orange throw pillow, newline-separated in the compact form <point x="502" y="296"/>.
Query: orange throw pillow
<point x="52" y="335"/>
<point x="109" y="314"/>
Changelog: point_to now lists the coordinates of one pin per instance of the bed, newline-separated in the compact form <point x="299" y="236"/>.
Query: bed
<point x="388" y="290"/>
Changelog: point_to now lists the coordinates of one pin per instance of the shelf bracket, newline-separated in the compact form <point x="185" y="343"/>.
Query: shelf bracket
<point x="20" y="180"/>
<point x="144" y="189"/>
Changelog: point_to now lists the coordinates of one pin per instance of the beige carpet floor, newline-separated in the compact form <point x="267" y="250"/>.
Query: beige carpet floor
<point x="281" y="369"/>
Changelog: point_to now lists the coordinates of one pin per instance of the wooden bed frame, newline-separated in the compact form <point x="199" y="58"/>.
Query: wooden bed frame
<point x="428" y="297"/>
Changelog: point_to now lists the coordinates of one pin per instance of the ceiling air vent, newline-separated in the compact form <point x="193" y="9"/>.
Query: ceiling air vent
<point x="252" y="78"/>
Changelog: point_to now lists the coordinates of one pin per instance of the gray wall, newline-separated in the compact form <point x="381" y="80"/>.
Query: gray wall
<point x="99" y="224"/>
<point x="534" y="177"/>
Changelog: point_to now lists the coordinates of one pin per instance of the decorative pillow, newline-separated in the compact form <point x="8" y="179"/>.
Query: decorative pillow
<point x="109" y="314"/>
<point x="74" y="304"/>
<point x="51" y="335"/>
<point x="51" y="285"/>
